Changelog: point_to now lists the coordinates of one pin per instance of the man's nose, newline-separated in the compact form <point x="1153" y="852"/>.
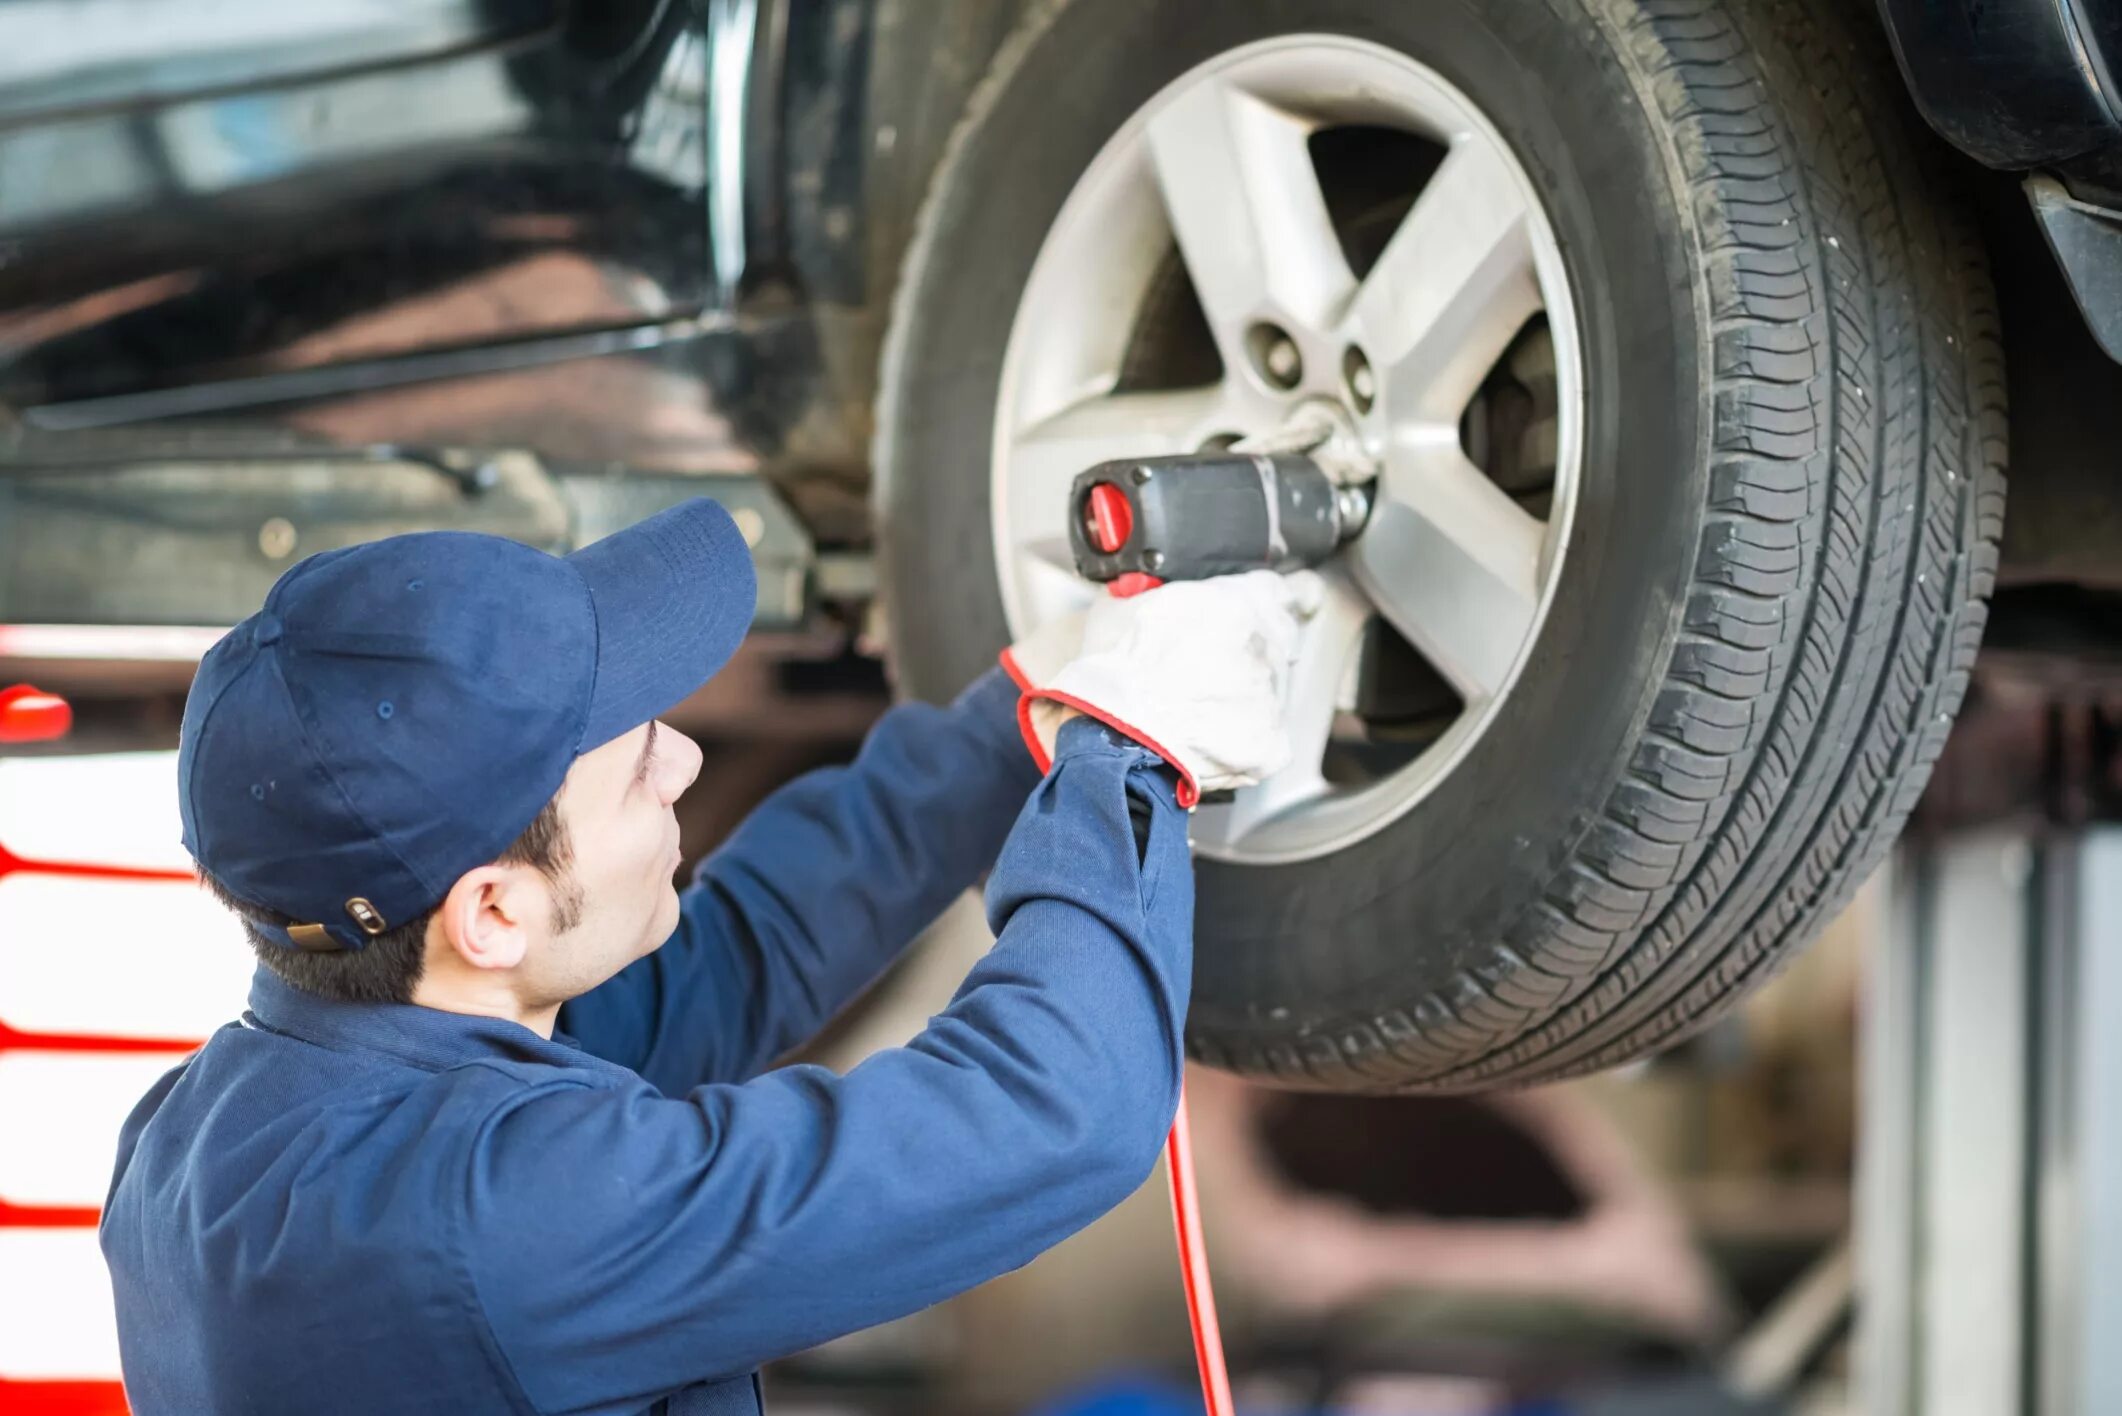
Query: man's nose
<point x="685" y="767"/>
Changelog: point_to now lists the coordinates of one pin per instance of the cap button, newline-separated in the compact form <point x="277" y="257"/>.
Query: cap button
<point x="267" y="630"/>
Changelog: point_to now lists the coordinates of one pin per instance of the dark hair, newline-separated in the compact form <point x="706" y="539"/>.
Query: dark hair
<point x="389" y="968"/>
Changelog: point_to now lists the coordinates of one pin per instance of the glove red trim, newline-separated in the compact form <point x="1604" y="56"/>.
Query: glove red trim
<point x="1036" y="748"/>
<point x="1189" y="791"/>
<point x="1017" y="676"/>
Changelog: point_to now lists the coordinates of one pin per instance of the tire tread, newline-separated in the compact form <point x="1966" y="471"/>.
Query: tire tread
<point x="1857" y="460"/>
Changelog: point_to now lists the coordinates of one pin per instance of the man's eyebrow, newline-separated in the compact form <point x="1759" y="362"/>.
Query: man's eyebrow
<point x="648" y="750"/>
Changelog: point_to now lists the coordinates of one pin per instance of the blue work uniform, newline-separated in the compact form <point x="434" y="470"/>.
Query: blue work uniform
<point x="371" y="1208"/>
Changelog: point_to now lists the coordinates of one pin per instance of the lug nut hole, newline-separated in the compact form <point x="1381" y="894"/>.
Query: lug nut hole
<point x="1362" y="383"/>
<point x="1275" y="356"/>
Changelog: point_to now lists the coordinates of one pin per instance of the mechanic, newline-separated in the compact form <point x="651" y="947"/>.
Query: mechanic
<point x="496" y="1132"/>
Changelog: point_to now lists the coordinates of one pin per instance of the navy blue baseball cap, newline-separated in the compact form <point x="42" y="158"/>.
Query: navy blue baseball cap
<point x="398" y="712"/>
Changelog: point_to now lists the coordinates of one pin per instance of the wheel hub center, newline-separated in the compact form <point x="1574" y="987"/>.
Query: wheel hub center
<point x="1325" y="431"/>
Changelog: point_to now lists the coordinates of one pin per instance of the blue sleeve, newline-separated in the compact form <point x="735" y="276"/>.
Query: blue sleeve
<point x="815" y="895"/>
<point x="626" y="1243"/>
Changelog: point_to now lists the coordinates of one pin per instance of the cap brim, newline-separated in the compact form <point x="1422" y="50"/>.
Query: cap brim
<point x="674" y="596"/>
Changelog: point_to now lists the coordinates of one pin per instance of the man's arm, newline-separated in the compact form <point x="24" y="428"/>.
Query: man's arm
<point x="815" y="894"/>
<point x="623" y="1244"/>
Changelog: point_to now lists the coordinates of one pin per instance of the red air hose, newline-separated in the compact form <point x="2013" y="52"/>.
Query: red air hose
<point x="1193" y="1264"/>
<point x="1179" y="1145"/>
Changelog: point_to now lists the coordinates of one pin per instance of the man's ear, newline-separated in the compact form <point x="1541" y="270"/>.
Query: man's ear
<point x="484" y="914"/>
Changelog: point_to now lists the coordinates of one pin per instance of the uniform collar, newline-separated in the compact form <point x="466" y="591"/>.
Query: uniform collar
<point x="425" y="1037"/>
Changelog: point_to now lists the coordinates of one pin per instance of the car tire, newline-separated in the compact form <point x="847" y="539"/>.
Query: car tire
<point x="1790" y="495"/>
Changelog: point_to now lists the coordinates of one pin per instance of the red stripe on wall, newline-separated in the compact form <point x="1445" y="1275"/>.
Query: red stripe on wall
<point x="11" y="863"/>
<point x="47" y="1217"/>
<point x="62" y="1398"/>
<point x="10" y="1038"/>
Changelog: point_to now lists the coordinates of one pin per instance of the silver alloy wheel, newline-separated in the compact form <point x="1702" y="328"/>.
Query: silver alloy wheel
<point x="1219" y="162"/>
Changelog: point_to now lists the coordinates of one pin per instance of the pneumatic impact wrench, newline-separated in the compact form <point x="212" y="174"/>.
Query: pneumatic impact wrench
<point x="1138" y="522"/>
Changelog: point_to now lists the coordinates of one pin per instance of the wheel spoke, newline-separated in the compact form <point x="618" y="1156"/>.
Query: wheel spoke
<point x="1045" y="457"/>
<point x="1311" y="701"/>
<point x="1245" y="206"/>
<point x="1454" y="565"/>
<point x="1453" y="285"/>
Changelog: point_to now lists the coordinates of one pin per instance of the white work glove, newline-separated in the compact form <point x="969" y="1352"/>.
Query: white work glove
<point x="1195" y="671"/>
<point x="1034" y="660"/>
